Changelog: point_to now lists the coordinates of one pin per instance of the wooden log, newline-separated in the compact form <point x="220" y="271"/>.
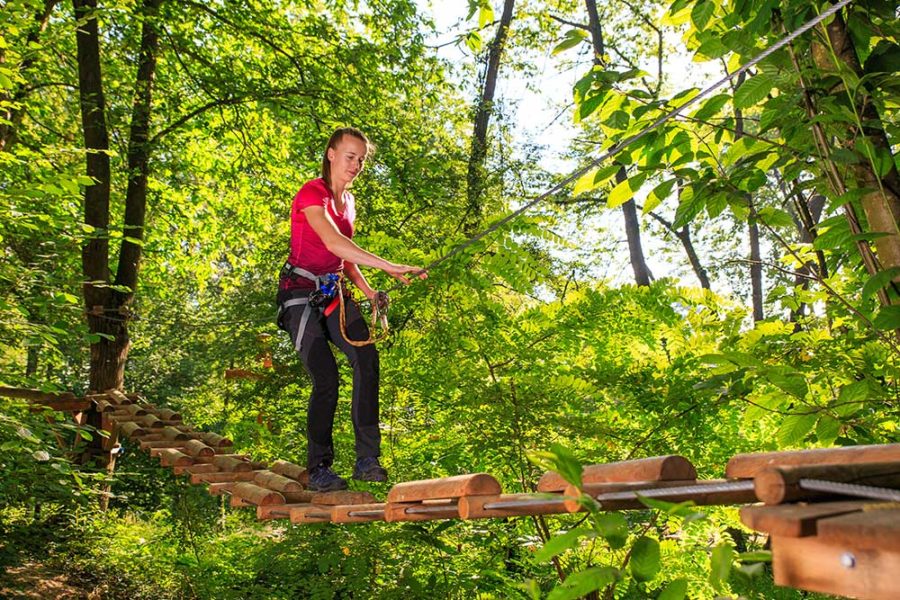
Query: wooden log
<point x="746" y="466"/>
<point x="342" y="497"/>
<point x="720" y="494"/>
<point x="170" y="457"/>
<point x="213" y="439"/>
<point x="279" y="483"/>
<point x="117" y="397"/>
<point x="795" y="520"/>
<point x="202" y="468"/>
<point x="136" y="398"/>
<point x="877" y="529"/>
<point x="73" y="406"/>
<point x="446" y="509"/>
<point x="777" y="485"/>
<point x="155" y="452"/>
<point x="474" y="484"/>
<point x="230" y="464"/>
<point x="276" y="511"/>
<point x="304" y="496"/>
<point x="252" y="493"/>
<point x="150" y="445"/>
<point x="593" y="490"/>
<point x="290" y="470"/>
<point x="220" y="488"/>
<point x="132" y="429"/>
<point x="220" y="477"/>
<point x="816" y="565"/>
<point x="657" y="468"/>
<point x="150" y="437"/>
<point x="171" y="433"/>
<point x="311" y="514"/>
<point x="167" y="414"/>
<point x="473" y="507"/>
<point x="197" y="449"/>
<point x="342" y="513"/>
<point x="103" y="406"/>
<point x="134" y="410"/>
<point x="240" y="457"/>
<point x="151" y="422"/>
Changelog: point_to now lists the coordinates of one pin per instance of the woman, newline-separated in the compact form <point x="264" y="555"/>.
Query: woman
<point x="322" y="218"/>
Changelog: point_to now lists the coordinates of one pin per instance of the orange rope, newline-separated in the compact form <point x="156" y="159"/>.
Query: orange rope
<point x="377" y="316"/>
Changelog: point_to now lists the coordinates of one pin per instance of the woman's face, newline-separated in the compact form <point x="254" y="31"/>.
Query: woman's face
<point x="347" y="159"/>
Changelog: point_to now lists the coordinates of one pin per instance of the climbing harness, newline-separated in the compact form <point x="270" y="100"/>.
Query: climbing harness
<point x="328" y="296"/>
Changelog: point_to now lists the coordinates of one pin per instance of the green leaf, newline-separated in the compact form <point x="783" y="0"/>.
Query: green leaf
<point x="645" y="561"/>
<point x="711" y="106"/>
<point x="888" y="318"/>
<point x="572" y="38"/>
<point x="720" y="565"/>
<point x="827" y="430"/>
<point x="658" y="194"/>
<point x="794" y="428"/>
<point x="624" y="191"/>
<point x="879" y="280"/>
<point x="676" y="590"/>
<point x="486" y="14"/>
<point x="775" y="217"/>
<point x="560" y="543"/>
<point x="702" y="13"/>
<point x="764" y="556"/>
<point x="753" y="90"/>
<point x="583" y="583"/>
<point x="614" y="528"/>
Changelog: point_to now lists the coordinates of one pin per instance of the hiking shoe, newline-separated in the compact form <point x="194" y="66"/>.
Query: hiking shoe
<point x="323" y="479"/>
<point x="369" y="469"/>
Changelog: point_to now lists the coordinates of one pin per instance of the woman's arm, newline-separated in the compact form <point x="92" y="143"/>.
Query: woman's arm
<point x="343" y="247"/>
<point x="352" y="272"/>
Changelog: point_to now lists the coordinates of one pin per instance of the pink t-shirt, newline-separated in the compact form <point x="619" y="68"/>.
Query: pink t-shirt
<point x="307" y="249"/>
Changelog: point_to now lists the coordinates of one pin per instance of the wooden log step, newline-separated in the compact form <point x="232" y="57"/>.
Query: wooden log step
<point x="150" y="437"/>
<point x="167" y="414"/>
<point x="473" y="507"/>
<point x="198" y="449"/>
<point x="238" y="502"/>
<point x="231" y="463"/>
<point x="277" y="511"/>
<point x="213" y="439"/>
<point x="171" y="433"/>
<point x="795" y="520"/>
<point x="279" y="483"/>
<point x="147" y="445"/>
<point x="777" y="485"/>
<point x="134" y="410"/>
<point x="202" y="468"/>
<point x="305" y="496"/>
<point x="220" y="488"/>
<point x="358" y="513"/>
<point x="118" y="398"/>
<point x="290" y="470"/>
<point x="170" y="457"/>
<point x="746" y="466"/>
<point x="593" y="490"/>
<point x="132" y="430"/>
<point x="421" y="511"/>
<point x="103" y="406"/>
<point x="657" y="468"/>
<point x="155" y="452"/>
<point x="342" y="497"/>
<point x="474" y="484"/>
<point x="311" y="514"/>
<point x="252" y="493"/>
<point x="220" y="477"/>
<point x="150" y="421"/>
<point x="136" y="398"/>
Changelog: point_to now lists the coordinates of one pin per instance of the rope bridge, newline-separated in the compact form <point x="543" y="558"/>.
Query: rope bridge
<point x="832" y="514"/>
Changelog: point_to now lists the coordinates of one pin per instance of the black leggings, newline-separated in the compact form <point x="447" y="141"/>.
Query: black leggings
<point x="319" y="361"/>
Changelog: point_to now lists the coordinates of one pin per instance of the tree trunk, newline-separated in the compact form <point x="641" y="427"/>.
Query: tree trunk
<point x="642" y="275"/>
<point x="107" y="317"/>
<point x="882" y="204"/>
<point x="756" y="283"/>
<point x="476" y="175"/>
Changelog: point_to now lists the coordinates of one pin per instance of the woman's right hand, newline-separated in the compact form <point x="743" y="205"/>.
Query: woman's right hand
<point x="405" y="272"/>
